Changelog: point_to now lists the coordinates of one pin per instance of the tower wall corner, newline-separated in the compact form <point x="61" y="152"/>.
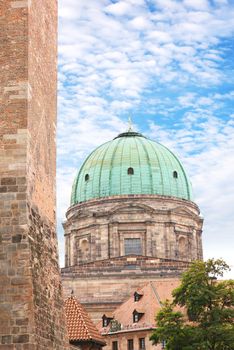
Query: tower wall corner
<point x="31" y="299"/>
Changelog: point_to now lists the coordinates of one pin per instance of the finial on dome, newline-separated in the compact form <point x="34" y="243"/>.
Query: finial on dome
<point x="130" y="123"/>
<point x="130" y="132"/>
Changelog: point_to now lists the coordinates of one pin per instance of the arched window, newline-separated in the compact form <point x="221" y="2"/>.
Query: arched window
<point x="84" y="249"/>
<point x="86" y="177"/>
<point x="130" y="171"/>
<point x="175" y="174"/>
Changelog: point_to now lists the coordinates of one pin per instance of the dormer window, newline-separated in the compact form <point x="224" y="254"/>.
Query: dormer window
<point x="137" y="296"/>
<point x="130" y="171"/>
<point x="86" y="177"/>
<point x="175" y="174"/>
<point x="135" y="318"/>
<point x="106" y="320"/>
<point x="137" y="314"/>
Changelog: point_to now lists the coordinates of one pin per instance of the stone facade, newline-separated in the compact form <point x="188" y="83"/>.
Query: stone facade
<point x="135" y="336"/>
<point x="168" y="228"/>
<point x="103" y="286"/>
<point x="31" y="302"/>
<point x="98" y="267"/>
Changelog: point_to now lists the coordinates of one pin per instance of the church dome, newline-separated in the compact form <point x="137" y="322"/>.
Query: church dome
<point x="130" y="164"/>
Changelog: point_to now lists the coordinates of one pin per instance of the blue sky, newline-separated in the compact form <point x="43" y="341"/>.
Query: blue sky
<point x="168" y="64"/>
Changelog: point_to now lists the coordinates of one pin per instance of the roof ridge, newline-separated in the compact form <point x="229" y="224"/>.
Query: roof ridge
<point x="156" y="293"/>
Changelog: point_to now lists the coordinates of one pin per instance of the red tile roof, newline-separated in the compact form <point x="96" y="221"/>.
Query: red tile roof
<point x="154" y="293"/>
<point x="79" y="325"/>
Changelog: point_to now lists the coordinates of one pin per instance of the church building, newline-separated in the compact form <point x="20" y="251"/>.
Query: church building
<point x="132" y="220"/>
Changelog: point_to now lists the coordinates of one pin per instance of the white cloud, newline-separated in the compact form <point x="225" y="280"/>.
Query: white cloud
<point x="120" y="8"/>
<point x="187" y="100"/>
<point x="197" y="4"/>
<point x="169" y="5"/>
<point x="140" y="23"/>
<point x="159" y="36"/>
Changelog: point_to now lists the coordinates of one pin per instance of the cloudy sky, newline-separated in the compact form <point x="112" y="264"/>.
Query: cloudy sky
<point x="168" y="64"/>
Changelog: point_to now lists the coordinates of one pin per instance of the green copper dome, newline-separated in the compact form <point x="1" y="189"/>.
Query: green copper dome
<point x="130" y="164"/>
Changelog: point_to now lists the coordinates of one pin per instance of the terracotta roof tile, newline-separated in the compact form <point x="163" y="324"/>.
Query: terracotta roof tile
<point x="79" y="325"/>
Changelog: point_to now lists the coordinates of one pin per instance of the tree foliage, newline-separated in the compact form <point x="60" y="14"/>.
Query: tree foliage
<point x="207" y="320"/>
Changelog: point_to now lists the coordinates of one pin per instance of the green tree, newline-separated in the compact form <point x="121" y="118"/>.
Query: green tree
<point x="207" y="322"/>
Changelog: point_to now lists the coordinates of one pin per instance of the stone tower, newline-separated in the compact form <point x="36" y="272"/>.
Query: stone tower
<point x="132" y="219"/>
<point x="31" y="303"/>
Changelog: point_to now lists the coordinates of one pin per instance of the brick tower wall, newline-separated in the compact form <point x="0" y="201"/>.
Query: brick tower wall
<point x="31" y="303"/>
